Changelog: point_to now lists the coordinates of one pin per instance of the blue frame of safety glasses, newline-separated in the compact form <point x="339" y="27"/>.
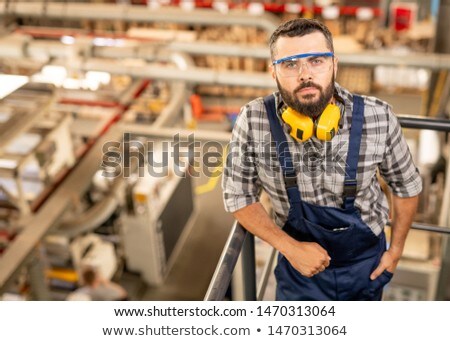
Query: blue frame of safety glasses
<point x="304" y="55"/>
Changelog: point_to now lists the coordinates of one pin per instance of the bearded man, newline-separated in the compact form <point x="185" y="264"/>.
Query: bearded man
<point x="316" y="149"/>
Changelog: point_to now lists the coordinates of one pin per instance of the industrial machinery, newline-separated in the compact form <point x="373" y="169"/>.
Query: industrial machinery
<point x="36" y="147"/>
<point x="47" y="129"/>
<point x="156" y="219"/>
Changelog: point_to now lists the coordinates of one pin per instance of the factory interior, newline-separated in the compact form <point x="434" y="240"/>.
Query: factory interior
<point x="115" y="119"/>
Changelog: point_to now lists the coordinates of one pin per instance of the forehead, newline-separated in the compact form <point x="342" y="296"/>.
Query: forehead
<point x="289" y="46"/>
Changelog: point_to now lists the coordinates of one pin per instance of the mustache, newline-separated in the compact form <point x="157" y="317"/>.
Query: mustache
<point x="308" y="84"/>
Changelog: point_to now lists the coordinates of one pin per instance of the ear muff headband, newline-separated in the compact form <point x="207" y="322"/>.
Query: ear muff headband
<point x="303" y="127"/>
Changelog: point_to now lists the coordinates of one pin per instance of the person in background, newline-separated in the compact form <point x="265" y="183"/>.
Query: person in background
<point x="96" y="288"/>
<point x="317" y="149"/>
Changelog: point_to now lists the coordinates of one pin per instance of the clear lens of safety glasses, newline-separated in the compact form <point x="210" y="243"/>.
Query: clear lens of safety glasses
<point x="292" y="66"/>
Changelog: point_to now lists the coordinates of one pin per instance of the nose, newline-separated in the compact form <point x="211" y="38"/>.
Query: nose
<point x="304" y="71"/>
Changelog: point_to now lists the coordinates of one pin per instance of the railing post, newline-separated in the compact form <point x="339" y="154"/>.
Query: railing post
<point x="222" y="276"/>
<point x="444" y="274"/>
<point x="249" y="268"/>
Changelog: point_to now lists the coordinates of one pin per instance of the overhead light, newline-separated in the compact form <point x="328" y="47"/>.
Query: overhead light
<point x="54" y="74"/>
<point x="67" y="40"/>
<point x="98" y="41"/>
<point x="98" y="76"/>
<point x="10" y="83"/>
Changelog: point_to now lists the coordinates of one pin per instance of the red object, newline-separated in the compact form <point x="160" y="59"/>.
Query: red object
<point x="197" y="106"/>
<point x="215" y="113"/>
<point x="403" y="16"/>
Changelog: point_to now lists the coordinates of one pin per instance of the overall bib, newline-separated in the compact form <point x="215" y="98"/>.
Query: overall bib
<point x="354" y="249"/>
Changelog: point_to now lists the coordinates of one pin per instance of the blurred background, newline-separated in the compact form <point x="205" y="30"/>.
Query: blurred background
<point x="115" y="116"/>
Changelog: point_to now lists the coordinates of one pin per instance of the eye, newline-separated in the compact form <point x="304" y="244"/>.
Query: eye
<point x="317" y="61"/>
<point x="290" y="64"/>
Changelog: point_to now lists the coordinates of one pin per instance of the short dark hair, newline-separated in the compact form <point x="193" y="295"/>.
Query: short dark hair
<point x="298" y="28"/>
<point x="89" y="276"/>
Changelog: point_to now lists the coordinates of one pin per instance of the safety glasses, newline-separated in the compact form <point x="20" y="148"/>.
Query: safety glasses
<point x="292" y="66"/>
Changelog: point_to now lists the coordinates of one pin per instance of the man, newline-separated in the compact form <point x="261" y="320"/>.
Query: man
<point x="324" y="189"/>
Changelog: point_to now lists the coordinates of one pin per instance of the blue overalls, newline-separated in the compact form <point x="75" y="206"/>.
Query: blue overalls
<point x="354" y="249"/>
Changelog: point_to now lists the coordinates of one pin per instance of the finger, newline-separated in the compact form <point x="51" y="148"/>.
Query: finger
<point x="327" y="260"/>
<point x="377" y="272"/>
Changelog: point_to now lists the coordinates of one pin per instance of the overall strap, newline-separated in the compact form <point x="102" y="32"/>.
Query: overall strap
<point x="350" y="182"/>
<point x="283" y="153"/>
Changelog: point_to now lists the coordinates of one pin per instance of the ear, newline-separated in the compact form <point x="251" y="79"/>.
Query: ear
<point x="335" y="61"/>
<point x="272" y="71"/>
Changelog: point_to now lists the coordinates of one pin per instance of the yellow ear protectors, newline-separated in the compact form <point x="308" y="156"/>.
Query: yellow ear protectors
<point x="328" y="123"/>
<point x="303" y="127"/>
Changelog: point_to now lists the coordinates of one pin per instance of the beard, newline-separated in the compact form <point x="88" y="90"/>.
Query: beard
<point x="309" y="108"/>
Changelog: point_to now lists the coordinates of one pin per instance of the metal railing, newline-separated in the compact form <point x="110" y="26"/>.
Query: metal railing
<point x="241" y="243"/>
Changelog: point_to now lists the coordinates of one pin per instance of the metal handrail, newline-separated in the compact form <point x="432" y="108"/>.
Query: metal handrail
<point x="230" y="254"/>
<point x="428" y="227"/>
<point x="222" y="276"/>
<point x="265" y="275"/>
<point x="421" y="122"/>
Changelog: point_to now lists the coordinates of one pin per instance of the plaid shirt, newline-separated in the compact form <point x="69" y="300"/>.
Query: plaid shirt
<point x="252" y="162"/>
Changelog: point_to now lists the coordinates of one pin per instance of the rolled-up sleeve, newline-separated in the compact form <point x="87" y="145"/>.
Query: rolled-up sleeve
<point x="398" y="168"/>
<point x="240" y="182"/>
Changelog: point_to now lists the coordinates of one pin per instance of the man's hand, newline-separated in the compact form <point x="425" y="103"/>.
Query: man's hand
<point x="307" y="258"/>
<point x="388" y="262"/>
<point x="404" y="210"/>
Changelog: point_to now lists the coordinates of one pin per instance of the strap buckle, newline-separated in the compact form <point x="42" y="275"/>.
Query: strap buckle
<point x="350" y="187"/>
<point x="290" y="180"/>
